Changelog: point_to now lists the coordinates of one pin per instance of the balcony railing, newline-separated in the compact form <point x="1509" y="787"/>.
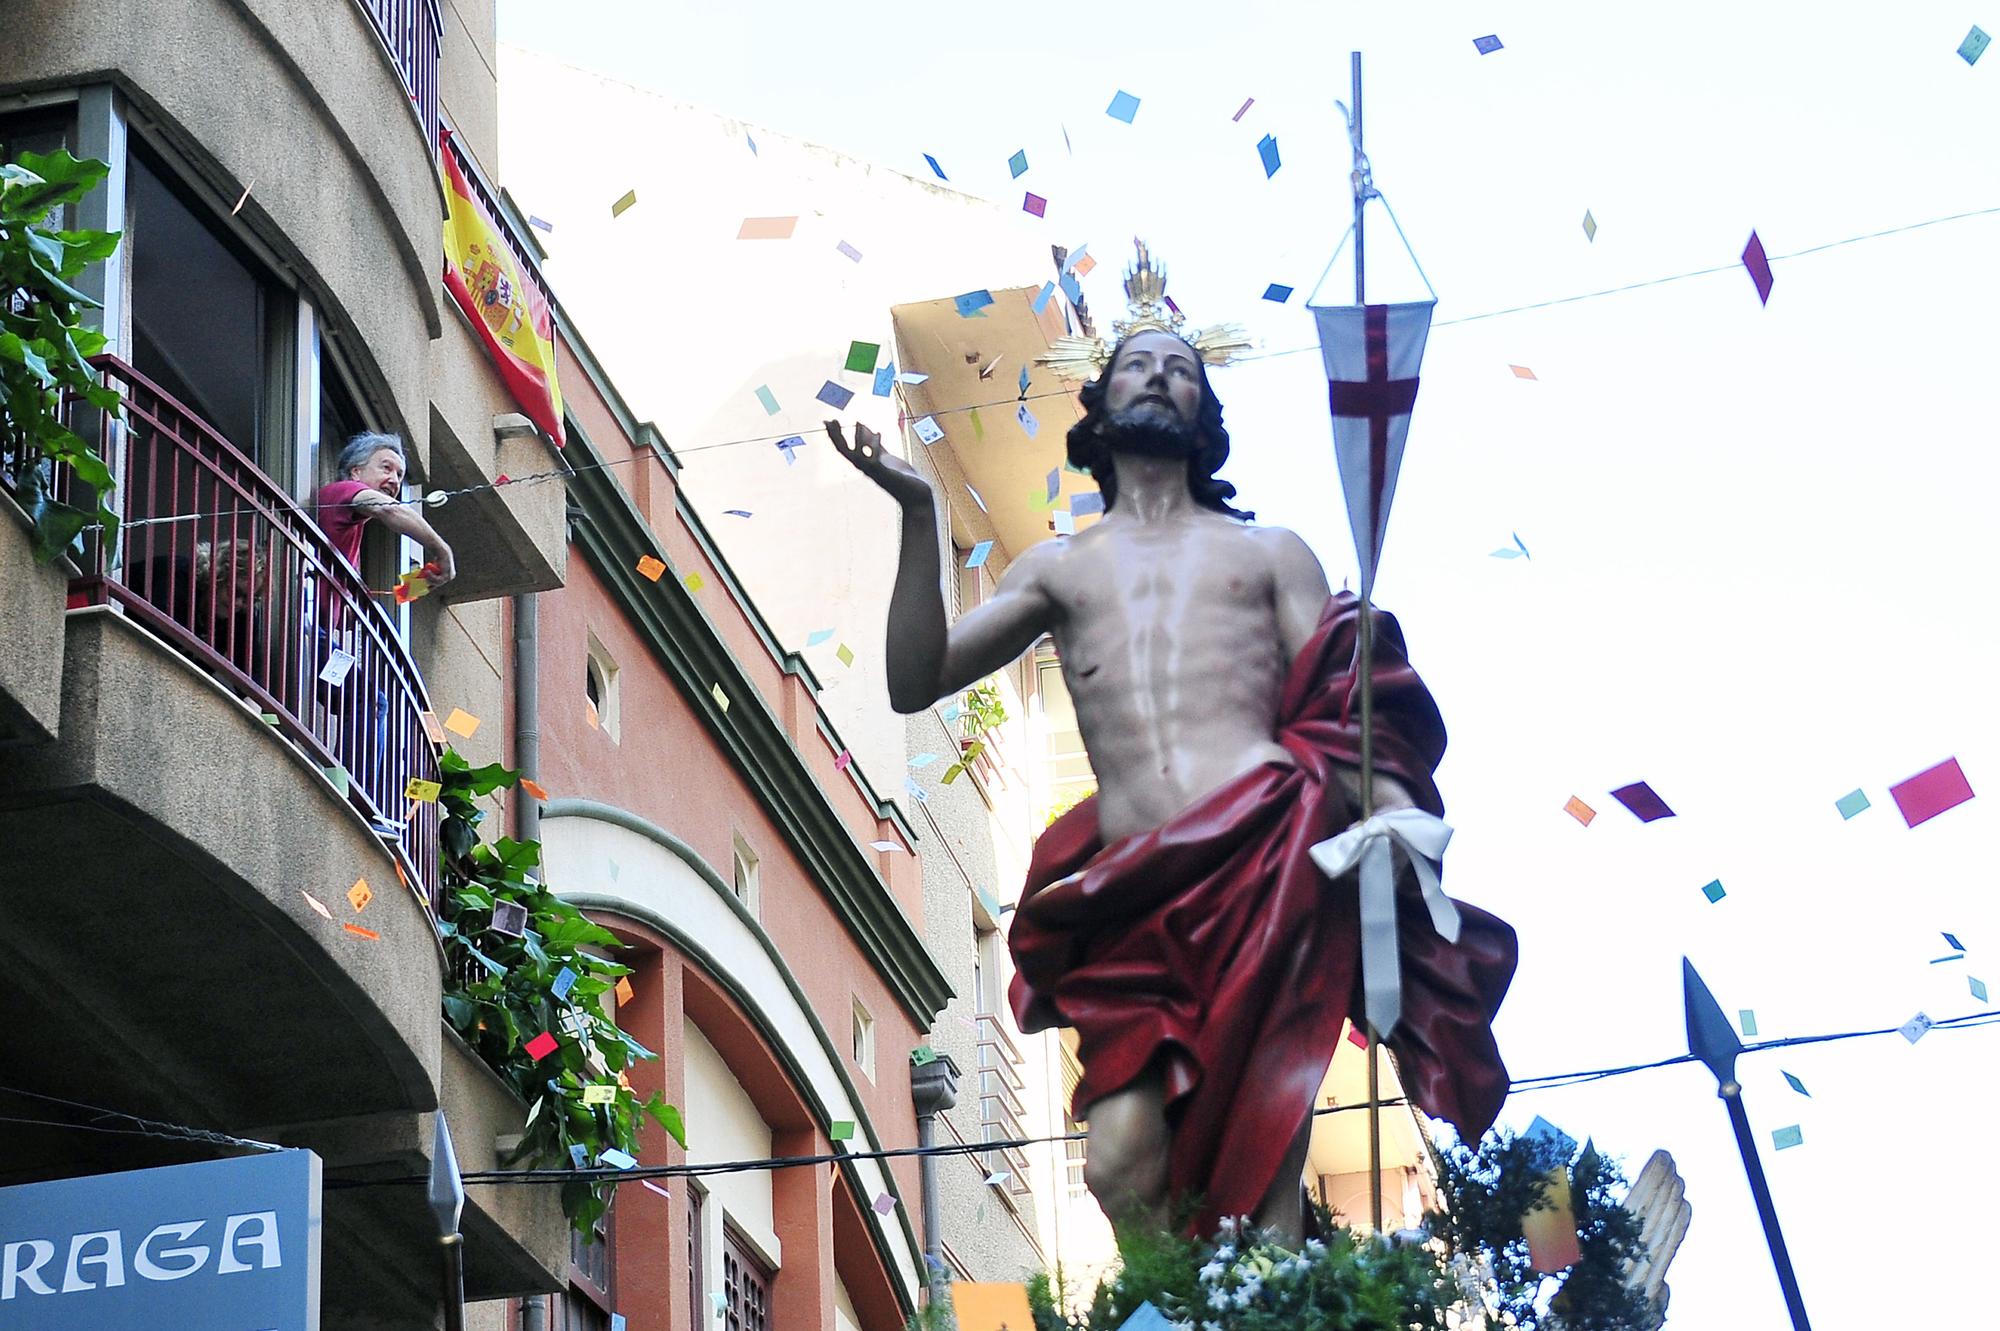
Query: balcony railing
<point x="1000" y="1107"/>
<point x="410" y="29"/>
<point x="218" y="561"/>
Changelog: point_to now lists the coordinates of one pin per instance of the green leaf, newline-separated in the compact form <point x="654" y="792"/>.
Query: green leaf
<point x="485" y="780"/>
<point x="667" y="1117"/>
<point x="87" y="247"/>
<point x="14" y="348"/>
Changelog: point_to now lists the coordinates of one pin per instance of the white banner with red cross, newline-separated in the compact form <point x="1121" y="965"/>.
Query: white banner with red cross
<point x="1372" y="355"/>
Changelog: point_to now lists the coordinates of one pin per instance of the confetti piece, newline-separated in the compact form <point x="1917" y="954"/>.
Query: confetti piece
<point x="971" y="303"/>
<point x="884" y="1204"/>
<point x="1931" y="792"/>
<point x="928" y="429"/>
<point x="461" y="723"/>
<point x="923" y="1054"/>
<point x="1075" y="257"/>
<point x="721" y="698"/>
<point x="600" y="1094"/>
<point x="978" y="427"/>
<point x="1072" y="289"/>
<point x="1267" y="151"/>
<point x="1022" y="385"/>
<point x="923" y="760"/>
<point x="997" y="1177"/>
<point x="360" y="932"/>
<point x="1123" y="107"/>
<point x="1951" y="940"/>
<point x="1522" y="372"/>
<point x="245" y="196"/>
<point x="624" y="991"/>
<point x="422" y="791"/>
<point x="616" y="1158"/>
<point x="1589" y="226"/>
<point x="1795" y="1083"/>
<point x="884" y="846"/>
<point x="849" y="251"/>
<point x="1851" y="803"/>
<point x="767" y="228"/>
<point x="338" y="663"/>
<point x="978" y="555"/>
<point x="579" y="1154"/>
<point x="433" y="727"/>
<point x="986" y="370"/>
<point x="1241" y="109"/>
<point x="1978" y="988"/>
<point x="818" y="636"/>
<point x="509" y="918"/>
<point x="1759" y="268"/>
<point x="769" y="399"/>
<point x="540" y="224"/>
<point x="625" y="200"/>
<point x="1748" y="1021"/>
<point x="1042" y="300"/>
<point x="1956" y="956"/>
<point x="1018" y="163"/>
<point x="953" y="772"/>
<point x="359" y="895"/>
<point x="834" y="395"/>
<point x="885" y="381"/>
<point x="915" y="791"/>
<point x="840" y="1130"/>
<point x="1486" y="45"/>
<point x="790" y="447"/>
<point x="843" y="760"/>
<point x="1029" y="425"/>
<point x="541" y="1046"/>
<point x="1580" y="811"/>
<point x="316" y="904"/>
<point x="1092" y="502"/>
<point x="1277" y="292"/>
<point x="861" y="357"/>
<point x="1714" y="891"/>
<point x="337" y="775"/>
<point x="1034" y="204"/>
<point x="844" y="654"/>
<point x="935" y="167"/>
<point x="1084" y="265"/>
<point x="1970" y="49"/>
<point x="1356" y="1038"/>
<point x="564" y="982"/>
<point x="534" y="788"/>
<point x="693" y="582"/>
<point x="1916" y="1028"/>
<point x="735" y="512"/>
<point x="650" y="568"/>
<point x="975" y="496"/>
<point x="1644" y="804"/>
<point x="1785" y="1139"/>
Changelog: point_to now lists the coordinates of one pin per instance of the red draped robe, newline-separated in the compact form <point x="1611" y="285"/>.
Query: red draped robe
<point x="1215" y="949"/>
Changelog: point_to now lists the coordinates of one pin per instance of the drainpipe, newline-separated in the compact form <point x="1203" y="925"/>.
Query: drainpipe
<point x="933" y="1089"/>
<point x="535" y="1313"/>
<point x="527" y="713"/>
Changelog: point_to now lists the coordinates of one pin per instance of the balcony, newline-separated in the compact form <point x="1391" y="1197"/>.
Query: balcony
<point x="410" y="29"/>
<point x="1000" y="1085"/>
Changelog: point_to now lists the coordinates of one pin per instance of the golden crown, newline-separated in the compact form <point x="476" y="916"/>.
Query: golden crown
<point x="1148" y="310"/>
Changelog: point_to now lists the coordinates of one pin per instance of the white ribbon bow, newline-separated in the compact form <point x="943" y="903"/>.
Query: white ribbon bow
<point x="1421" y="837"/>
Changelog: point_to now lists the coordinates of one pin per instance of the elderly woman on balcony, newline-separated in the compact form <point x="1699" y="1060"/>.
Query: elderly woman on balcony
<point x="370" y="488"/>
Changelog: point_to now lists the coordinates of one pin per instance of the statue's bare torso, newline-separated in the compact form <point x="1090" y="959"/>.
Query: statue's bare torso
<point x="1170" y="642"/>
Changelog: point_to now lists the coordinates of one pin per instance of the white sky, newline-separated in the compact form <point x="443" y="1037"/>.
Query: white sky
<point x="1762" y="537"/>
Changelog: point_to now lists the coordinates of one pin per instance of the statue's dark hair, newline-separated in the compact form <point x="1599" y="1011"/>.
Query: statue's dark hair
<point x="1088" y="450"/>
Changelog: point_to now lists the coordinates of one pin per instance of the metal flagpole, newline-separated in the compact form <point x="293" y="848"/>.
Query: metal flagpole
<point x="1713" y="1040"/>
<point x="1367" y="682"/>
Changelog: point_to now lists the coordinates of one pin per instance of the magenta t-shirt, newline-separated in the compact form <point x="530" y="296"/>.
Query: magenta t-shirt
<point x="341" y="520"/>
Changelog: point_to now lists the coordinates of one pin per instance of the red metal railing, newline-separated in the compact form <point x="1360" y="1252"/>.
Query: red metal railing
<point x="410" y="29"/>
<point x="219" y="561"/>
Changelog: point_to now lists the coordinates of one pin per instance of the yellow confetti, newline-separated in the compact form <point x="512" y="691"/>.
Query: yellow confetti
<point x="359" y="895"/>
<point x="846" y="654"/>
<point x="694" y="582"/>
<point x="422" y="791"/>
<point x="625" y="200"/>
<point x="461" y="722"/>
<point x="600" y="1095"/>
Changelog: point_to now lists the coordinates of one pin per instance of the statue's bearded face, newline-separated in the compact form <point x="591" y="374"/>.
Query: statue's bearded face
<point x="1152" y="399"/>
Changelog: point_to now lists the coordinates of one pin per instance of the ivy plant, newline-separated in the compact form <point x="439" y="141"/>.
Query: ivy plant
<point x="981" y="710"/>
<point x="44" y="347"/>
<point x="506" y="988"/>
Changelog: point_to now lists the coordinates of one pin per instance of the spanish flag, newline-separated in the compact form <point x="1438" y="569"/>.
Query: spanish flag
<point x="507" y="307"/>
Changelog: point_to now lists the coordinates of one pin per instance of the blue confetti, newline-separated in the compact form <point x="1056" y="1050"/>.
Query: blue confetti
<point x="935" y="167"/>
<point x="1278" y="292"/>
<point x="1123" y="107"/>
<point x="1267" y="148"/>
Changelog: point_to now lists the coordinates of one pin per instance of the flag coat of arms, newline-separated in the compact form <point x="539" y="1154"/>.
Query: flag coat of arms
<point x="510" y="313"/>
<point x="1372" y="355"/>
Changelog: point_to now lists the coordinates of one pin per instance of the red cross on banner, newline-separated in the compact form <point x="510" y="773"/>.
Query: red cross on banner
<point x="1372" y="355"/>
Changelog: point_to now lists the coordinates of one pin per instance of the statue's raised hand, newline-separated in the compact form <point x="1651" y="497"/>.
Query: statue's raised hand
<point x="894" y="475"/>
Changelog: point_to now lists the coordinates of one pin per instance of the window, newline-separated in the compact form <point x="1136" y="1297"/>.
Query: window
<point x="746" y="1287"/>
<point x="600" y="688"/>
<point x="586" y="1304"/>
<point x="864" y="1041"/>
<point x="743" y="873"/>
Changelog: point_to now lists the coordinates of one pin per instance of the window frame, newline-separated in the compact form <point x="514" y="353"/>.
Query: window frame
<point x="861" y="1047"/>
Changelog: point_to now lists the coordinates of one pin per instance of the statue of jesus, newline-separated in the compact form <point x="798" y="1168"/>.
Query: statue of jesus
<point x="1175" y="919"/>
